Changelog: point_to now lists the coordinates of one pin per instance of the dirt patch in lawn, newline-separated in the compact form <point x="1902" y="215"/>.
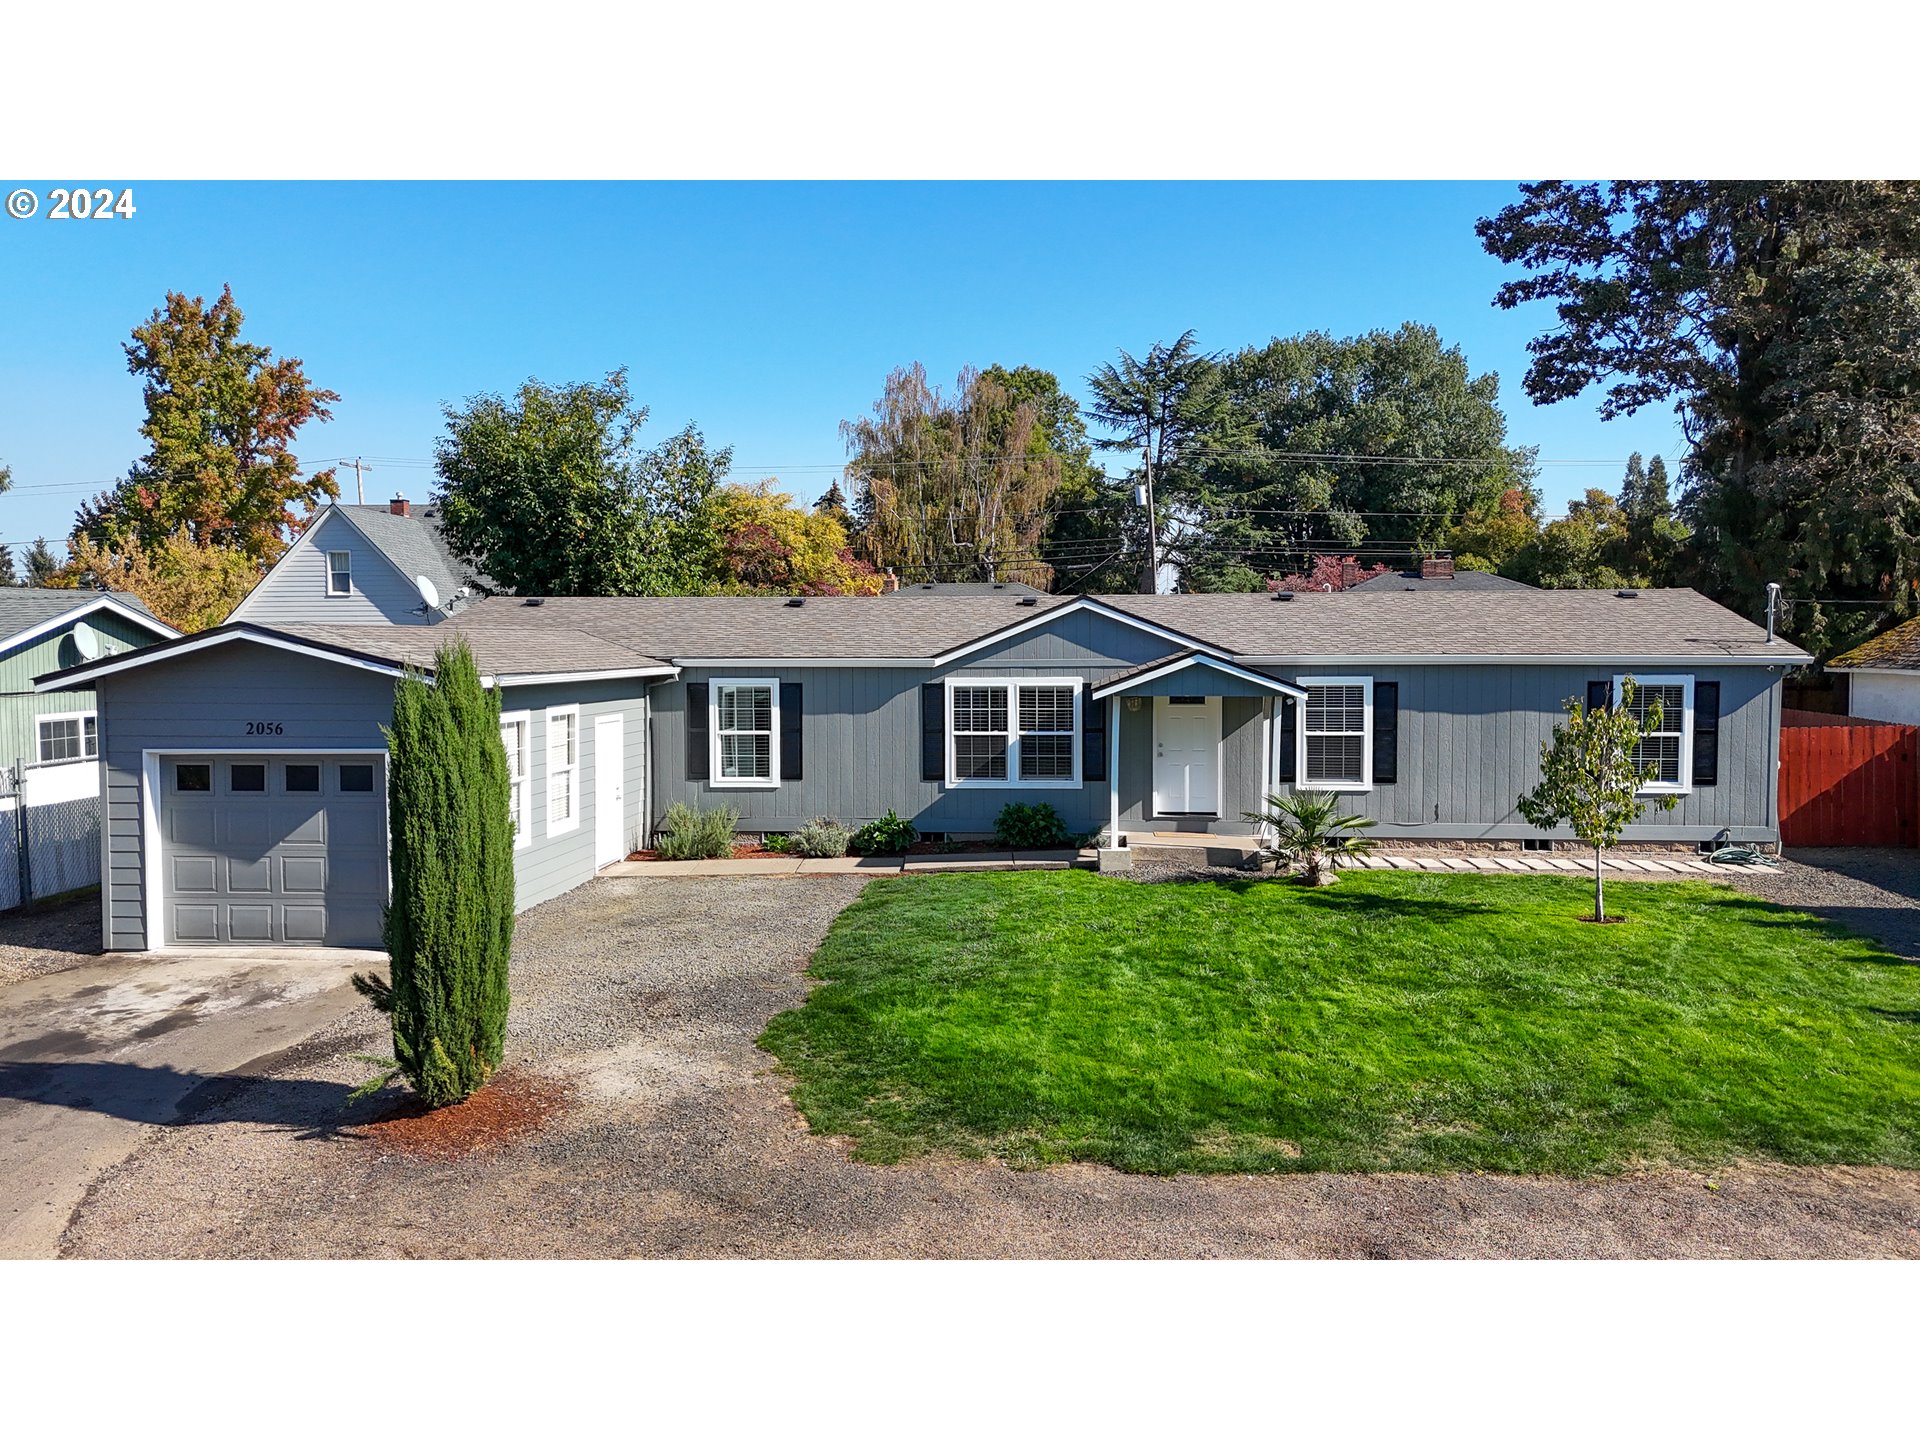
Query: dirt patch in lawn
<point x="515" y="1105"/>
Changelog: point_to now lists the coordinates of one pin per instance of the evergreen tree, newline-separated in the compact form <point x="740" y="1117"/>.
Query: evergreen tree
<point x="42" y="563"/>
<point x="450" y="921"/>
<point x="1653" y="537"/>
<point x="8" y="575"/>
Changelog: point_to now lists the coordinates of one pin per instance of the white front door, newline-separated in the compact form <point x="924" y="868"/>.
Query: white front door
<point x="609" y="777"/>
<point x="1186" y="755"/>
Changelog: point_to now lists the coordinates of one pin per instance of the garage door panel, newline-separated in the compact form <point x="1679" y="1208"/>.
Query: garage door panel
<point x="303" y="874"/>
<point x="195" y="875"/>
<point x="250" y="876"/>
<point x="269" y="866"/>
<point x="196" y="923"/>
<point x="306" y="924"/>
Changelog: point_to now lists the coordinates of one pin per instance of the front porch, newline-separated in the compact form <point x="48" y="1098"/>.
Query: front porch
<point x="1192" y="747"/>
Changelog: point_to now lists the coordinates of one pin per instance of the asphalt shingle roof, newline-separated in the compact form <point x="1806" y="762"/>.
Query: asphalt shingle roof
<point x="413" y="542"/>
<point x="1460" y="580"/>
<point x="1669" y="624"/>
<point x="967" y="587"/>
<point x="525" y="650"/>
<point x="1897" y="649"/>
<point x="22" y="607"/>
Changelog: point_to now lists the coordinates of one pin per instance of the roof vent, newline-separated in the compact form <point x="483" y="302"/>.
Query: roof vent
<point x="1283" y="594"/>
<point x="1029" y="600"/>
<point x="796" y="601"/>
<point x="534" y="600"/>
<point x="999" y="584"/>
<point x="1627" y="594"/>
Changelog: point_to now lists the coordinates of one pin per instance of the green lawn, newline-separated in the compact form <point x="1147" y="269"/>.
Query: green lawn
<point x="1392" y="1021"/>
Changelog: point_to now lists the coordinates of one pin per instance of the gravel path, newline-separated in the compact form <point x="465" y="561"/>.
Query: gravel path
<point x="646" y="997"/>
<point x="1876" y="892"/>
<point x="56" y="937"/>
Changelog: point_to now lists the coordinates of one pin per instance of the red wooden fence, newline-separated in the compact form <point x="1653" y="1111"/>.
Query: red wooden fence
<point x="1848" y="782"/>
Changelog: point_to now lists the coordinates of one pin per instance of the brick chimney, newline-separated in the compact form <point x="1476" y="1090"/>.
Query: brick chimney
<point x="399" y="506"/>
<point x="891" y="583"/>
<point x="1349" y="573"/>
<point x="1436" y="567"/>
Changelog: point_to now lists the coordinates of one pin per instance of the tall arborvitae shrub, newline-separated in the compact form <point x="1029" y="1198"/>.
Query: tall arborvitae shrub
<point x="450" y="921"/>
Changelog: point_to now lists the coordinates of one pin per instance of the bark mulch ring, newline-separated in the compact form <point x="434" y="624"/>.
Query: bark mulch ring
<point x="513" y="1106"/>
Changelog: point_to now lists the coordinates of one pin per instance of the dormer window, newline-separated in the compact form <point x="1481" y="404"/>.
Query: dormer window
<point x="339" y="572"/>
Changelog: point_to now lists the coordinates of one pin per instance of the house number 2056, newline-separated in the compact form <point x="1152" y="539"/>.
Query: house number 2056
<point x="265" y="727"/>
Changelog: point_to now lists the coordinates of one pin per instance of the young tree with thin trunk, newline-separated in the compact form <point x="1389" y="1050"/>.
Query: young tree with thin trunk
<point x="450" y="920"/>
<point x="1593" y="780"/>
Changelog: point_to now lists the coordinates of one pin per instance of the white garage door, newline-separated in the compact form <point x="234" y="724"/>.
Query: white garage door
<point x="273" y="849"/>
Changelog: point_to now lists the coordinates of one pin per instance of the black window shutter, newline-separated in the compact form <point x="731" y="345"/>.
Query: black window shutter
<point x="790" y="713"/>
<point x="696" y="730"/>
<point x="1706" y="732"/>
<point x="1093" y="739"/>
<point x="1386" y="732"/>
<point x="1599" y="694"/>
<point x="1289" y="723"/>
<point x="933" y="731"/>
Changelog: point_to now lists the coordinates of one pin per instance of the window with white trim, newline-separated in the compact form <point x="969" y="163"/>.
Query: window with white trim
<point x="1013" y="732"/>
<point x="746" y="732"/>
<point x="563" y="762"/>
<point x="514" y="728"/>
<point x="1668" y="746"/>
<point x="1336" y="733"/>
<point x="339" y="572"/>
<point x="68" y="737"/>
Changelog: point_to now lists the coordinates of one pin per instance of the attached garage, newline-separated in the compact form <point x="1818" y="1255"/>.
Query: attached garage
<point x="272" y="849"/>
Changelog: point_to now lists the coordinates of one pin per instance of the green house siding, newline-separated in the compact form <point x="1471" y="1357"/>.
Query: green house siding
<point x="20" y="706"/>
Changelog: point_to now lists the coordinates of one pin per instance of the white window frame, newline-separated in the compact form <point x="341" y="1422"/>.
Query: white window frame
<point x="1345" y="787"/>
<point x="523" y="818"/>
<point x="41" y="722"/>
<point x="1013" y="684"/>
<point x="1684" y="785"/>
<point x="742" y="782"/>
<point x="571" y="769"/>
<point x="332" y="593"/>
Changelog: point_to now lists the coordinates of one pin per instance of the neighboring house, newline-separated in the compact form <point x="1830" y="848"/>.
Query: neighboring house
<point x="1884" y="676"/>
<point x="1436" y="574"/>
<point x="363" y="565"/>
<point x="892" y="586"/>
<point x="245" y="765"/>
<point x="50" y="741"/>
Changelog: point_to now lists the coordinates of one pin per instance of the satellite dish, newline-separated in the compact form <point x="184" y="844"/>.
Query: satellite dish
<point x="86" y="641"/>
<point x="427" y="591"/>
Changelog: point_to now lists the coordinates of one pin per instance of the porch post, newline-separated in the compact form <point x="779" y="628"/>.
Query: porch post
<point x="1113" y="769"/>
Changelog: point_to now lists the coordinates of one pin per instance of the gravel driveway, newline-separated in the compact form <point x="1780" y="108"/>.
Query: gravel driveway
<point x="1876" y="892"/>
<point x="646" y="996"/>
<point x="48" y="939"/>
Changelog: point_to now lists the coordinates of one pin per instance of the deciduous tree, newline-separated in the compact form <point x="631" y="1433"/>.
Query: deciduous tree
<point x="769" y="545"/>
<point x="954" y="486"/>
<point x="222" y="417"/>
<point x="549" y="493"/>
<point x="1592" y="778"/>
<point x="1781" y="319"/>
<point x="188" y="583"/>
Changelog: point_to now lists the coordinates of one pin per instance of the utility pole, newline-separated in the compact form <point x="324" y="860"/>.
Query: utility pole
<point x="1150" y="581"/>
<point x="359" y="480"/>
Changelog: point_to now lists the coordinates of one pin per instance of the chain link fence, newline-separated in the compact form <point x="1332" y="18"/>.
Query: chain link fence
<point x="45" y="849"/>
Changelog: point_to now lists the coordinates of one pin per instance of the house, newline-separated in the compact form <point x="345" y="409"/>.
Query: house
<point x="1884" y="676"/>
<point x="366" y="565"/>
<point x="891" y="586"/>
<point x="46" y="738"/>
<point x="245" y="765"/>
<point x="1436" y="572"/>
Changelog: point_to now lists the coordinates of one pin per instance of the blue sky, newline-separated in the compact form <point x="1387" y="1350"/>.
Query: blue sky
<point x="767" y="313"/>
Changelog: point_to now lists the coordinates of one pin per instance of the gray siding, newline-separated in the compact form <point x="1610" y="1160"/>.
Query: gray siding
<point x="294" y="592"/>
<point x="1470" y="739"/>
<point x="21" y="705"/>
<point x="1242" y="764"/>
<point x="1082" y="638"/>
<point x="203" y="701"/>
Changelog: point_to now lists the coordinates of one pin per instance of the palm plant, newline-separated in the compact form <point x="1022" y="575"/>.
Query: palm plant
<point x="1309" y="831"/>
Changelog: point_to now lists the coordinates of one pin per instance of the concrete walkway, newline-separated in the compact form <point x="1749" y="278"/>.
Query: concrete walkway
<point x="90" y="1058"/>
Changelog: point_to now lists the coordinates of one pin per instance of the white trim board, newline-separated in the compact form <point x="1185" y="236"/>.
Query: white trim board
<point x="715" y="685"/>
<point x="1013" y="685"/>
<point x="1104" y="689"/>
<point x="153" y="655"/>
